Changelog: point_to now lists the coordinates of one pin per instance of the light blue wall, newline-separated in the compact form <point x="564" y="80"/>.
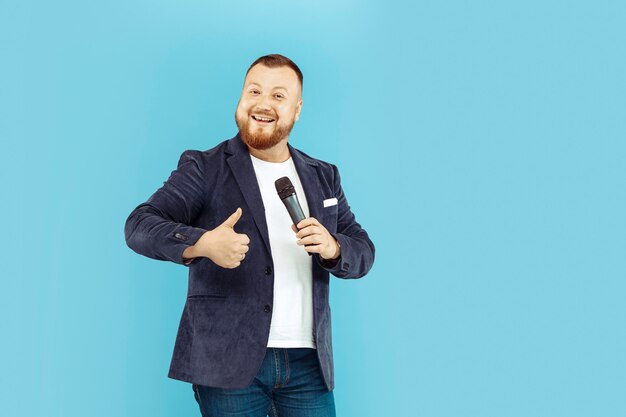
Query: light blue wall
<point x="481" y="143"/>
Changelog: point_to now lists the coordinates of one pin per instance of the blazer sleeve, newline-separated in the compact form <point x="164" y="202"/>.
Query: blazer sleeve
<point x="357" y="250"/>
<point x="159" y="228"/>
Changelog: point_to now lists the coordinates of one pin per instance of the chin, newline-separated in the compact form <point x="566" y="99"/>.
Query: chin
<point x="260" y="140"/>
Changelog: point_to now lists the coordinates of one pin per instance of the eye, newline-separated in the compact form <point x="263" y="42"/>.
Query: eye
<point x="279" y="96"/>
<point x="255" y="92"/>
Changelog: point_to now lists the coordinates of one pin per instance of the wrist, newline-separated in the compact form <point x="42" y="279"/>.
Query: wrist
<point x="337" y="252"/>
<point x="189" y="252"/>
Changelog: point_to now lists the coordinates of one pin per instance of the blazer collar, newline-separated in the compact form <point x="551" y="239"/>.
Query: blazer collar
<point x="243" y="171"/>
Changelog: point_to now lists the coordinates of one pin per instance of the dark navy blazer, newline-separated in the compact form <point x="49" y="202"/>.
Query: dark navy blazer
<point x="225" y="324"/>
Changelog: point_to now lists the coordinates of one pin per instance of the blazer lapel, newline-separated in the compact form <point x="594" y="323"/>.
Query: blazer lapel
<point x="307" y="171"/>
<point x="243" y="171"/>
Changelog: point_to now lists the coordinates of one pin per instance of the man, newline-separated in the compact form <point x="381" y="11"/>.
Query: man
<point x="255" y="333"/>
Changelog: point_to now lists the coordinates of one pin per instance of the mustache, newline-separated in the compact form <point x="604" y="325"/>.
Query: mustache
<point x="264" y="113"/>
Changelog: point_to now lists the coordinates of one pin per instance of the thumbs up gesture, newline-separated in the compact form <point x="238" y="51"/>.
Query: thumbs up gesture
<point x="222" y="245"/>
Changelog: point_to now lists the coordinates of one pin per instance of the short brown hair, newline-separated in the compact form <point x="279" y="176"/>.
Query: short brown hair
<point x="275" y="61"/>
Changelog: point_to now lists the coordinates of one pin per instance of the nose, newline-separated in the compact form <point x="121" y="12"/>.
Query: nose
<point x="263" y="102"/>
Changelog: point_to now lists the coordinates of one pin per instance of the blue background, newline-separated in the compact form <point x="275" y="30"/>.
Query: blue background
<point x="481" y="143"/>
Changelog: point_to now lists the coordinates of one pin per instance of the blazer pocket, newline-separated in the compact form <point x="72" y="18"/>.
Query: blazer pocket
<point x="206" y="311"/>
<point x="330" y="218"/>
<point x="199" y="297"/>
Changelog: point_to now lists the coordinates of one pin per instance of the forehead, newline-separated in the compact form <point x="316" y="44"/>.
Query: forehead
<point x="273" y="77"/>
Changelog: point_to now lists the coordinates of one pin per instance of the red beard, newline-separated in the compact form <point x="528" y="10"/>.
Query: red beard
<point x="258" y="139"/>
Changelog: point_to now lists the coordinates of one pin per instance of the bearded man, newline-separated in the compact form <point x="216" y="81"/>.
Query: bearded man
<point x="255" y="333"/>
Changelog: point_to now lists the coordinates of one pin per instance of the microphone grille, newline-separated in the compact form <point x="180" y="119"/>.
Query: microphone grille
<point x="284" y="187"/>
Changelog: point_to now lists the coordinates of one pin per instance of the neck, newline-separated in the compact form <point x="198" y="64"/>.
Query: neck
<point x="277" y="153"/>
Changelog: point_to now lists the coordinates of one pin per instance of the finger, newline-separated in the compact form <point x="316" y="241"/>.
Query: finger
<point x="237" y="247"/>
<point x="245" y="249"/>
<point x="236" y="257"/>
<point x="307" y="222"/>
<point x="309" y="230"/>
<point x="244" y="239"/>
<point x="310" y="240"/>
<point x="294" y="228"/>
<point x="230" y="222"/>
<point x="313" y="248"/>
<point x="236" y="254"/>
<point x="230" y="264"/>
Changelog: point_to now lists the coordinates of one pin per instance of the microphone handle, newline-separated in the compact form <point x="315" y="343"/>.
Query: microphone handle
<point x="294" y="209"/>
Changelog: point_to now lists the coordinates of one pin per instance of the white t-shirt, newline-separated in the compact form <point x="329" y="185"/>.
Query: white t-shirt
<point x="292" y="315"/>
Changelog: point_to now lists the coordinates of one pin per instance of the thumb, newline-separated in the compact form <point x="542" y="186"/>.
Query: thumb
<point x="230" y="222"/>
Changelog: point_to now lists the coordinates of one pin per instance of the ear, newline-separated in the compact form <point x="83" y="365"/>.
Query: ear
<point x="298" y="109"/>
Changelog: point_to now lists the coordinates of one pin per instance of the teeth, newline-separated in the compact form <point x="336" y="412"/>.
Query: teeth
<point x="262" y="119"/>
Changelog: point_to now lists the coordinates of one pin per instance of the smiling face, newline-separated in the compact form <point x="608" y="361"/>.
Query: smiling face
<point x="270" y="104"/>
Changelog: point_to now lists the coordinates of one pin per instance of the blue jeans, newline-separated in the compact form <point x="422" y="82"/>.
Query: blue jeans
<point x="289" y="384"/>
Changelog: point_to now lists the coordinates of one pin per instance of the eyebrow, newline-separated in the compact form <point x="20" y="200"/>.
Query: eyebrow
<point x="280" y="86"/>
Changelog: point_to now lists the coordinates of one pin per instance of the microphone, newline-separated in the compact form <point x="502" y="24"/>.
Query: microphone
<point x="287" y="194"/>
